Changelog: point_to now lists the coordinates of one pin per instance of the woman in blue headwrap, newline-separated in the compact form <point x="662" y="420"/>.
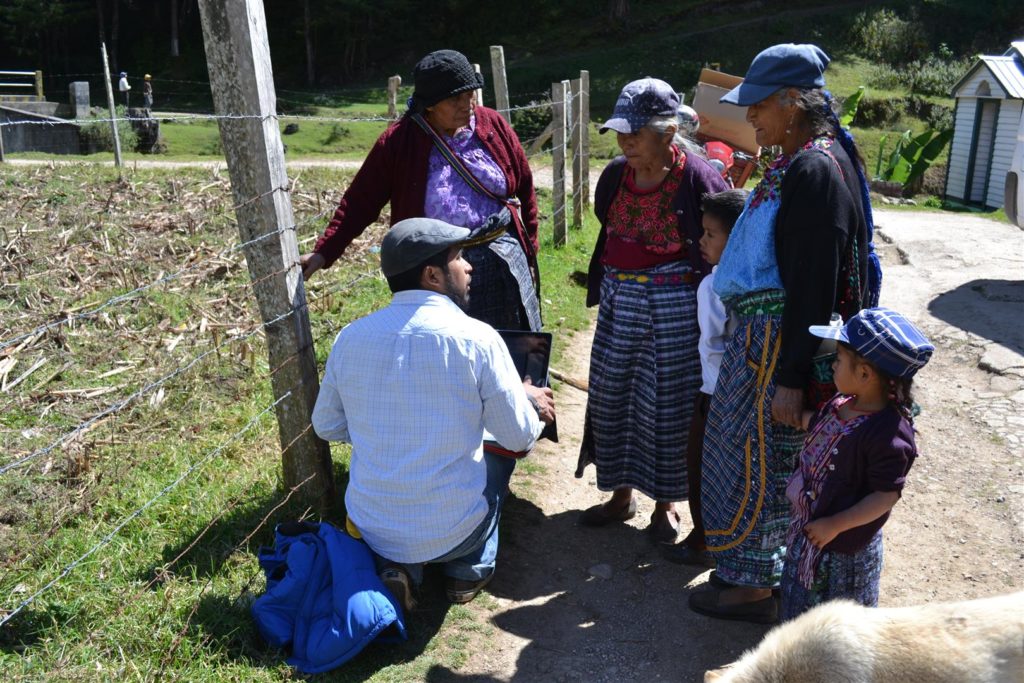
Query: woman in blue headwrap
<point x="800" y="252"/>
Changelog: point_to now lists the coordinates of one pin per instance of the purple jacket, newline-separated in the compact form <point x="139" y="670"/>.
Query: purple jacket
<point x="875" y="456"/>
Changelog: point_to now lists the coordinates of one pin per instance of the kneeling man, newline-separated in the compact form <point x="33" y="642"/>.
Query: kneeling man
<point x="413" y="387"/>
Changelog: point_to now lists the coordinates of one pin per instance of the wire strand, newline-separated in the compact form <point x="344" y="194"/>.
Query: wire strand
<point x="109" y="536"/>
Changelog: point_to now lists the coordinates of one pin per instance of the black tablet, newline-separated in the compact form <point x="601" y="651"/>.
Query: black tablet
<point x="531" y="352"/>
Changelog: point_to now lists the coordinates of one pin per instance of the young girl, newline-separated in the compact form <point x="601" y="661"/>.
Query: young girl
<point x="854" y="462"/>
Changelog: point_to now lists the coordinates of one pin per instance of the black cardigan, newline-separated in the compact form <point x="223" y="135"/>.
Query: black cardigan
<point x="819" y="214"/>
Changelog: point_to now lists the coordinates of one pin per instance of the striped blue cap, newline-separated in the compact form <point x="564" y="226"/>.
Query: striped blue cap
<point x="885" y="338"/>
<point x="638" y="102"/>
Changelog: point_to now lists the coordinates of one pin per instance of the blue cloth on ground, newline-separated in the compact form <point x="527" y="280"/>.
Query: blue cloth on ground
<point x="324" y="599"/>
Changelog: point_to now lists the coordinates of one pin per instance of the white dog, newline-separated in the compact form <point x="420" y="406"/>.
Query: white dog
<point x="978" y="641"/>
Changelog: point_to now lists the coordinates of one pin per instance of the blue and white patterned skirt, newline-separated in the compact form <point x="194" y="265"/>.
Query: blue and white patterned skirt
<point x="839" y="577"/>
<point x="644" y="375"/>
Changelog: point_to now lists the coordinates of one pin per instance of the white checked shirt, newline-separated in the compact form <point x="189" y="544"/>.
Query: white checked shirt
<point x="412" y="387"/>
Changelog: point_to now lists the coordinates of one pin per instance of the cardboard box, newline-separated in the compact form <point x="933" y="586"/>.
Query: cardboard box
<point x="725" y="122"/>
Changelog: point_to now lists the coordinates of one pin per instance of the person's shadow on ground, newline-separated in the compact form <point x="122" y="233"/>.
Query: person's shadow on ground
<point x="632" y="625"/>
<point x="988" y="308"/>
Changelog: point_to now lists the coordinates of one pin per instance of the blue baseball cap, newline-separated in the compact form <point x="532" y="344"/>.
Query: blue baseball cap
<point x="638" y="102"/>
<point x="781" y="66"/>
<point x="885" y="338"/>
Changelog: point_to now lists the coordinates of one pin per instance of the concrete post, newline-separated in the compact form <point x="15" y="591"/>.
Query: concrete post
<point x="394" y="82"/>
<point x="79" y="96"/>
<point x="238" y="59"/>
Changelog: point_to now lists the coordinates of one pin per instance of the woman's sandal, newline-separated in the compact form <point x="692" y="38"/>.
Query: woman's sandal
<point x="599" y="515"/>
<point x="683" y="553"/>
<point x="764" y="611"/>
<point x="662" y="529"/>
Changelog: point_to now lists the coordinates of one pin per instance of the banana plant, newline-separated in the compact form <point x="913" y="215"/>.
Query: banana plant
<point x="850" y="105"/>
<point x="913" y="155"/>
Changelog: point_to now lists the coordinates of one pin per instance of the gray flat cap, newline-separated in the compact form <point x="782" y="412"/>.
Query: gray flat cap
<point x="414" y="240"/>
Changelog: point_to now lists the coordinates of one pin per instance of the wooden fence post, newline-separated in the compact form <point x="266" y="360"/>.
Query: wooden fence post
<point x="479" y="92"/>
<point x="394" y="82"/>
<point x="559" y="95"/>
<point x="500" y="82"/>
<point x="241" y="79"/>
<point x="39" y="85"/>
<point x="112" y="108"/>
<point x="576" y="153"/>
<point x="585" y="138"/>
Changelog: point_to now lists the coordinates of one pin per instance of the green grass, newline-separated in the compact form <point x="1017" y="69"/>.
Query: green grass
<point x="928" y="204"/>
<point x="169" y="596"/>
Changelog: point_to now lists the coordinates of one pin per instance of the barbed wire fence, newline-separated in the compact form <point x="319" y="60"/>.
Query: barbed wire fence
<point x="14" y="343"/>
<point x="33" y="459"/>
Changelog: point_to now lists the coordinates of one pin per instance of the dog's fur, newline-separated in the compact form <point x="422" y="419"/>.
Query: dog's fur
<point x="979" y="641"/>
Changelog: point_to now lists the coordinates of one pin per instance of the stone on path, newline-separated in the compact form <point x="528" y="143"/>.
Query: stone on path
<point x="999" y="359"/>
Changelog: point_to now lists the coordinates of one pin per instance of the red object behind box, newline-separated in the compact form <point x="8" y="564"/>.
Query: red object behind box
<point x="725" y="123"/>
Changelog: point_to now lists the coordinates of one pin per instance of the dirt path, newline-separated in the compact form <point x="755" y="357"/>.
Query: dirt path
<point x="576" y="604"/>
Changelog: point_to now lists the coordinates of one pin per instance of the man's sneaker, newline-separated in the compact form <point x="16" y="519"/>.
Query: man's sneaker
<point x="461" y="591"/>
<point x="396" y="580"/>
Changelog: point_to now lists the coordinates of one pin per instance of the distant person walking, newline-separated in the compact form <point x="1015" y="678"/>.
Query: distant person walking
<point x="123" y="86"/>
<point x="147" y="92"/>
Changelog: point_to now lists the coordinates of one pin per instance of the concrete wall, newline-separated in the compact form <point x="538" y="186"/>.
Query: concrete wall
<point x="60" y="137"/>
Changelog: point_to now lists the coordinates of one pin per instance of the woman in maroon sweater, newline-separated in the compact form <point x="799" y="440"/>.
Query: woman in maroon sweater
<point x="407" y="168"/>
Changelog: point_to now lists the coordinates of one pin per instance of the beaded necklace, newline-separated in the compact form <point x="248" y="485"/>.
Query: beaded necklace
<point x="770" y="187"/>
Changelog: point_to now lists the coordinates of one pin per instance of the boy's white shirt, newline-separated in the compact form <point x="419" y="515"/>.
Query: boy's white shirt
<point x="714" y="333"/>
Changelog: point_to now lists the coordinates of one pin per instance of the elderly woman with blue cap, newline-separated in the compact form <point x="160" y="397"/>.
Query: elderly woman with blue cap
<point x="452" y="159"/>
<point x="800" y="252"/>
<point x="644" y="365"/>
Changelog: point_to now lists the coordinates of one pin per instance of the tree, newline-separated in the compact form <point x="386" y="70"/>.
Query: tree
<point x="307" y="32"/>
<point x="618" y="12"/>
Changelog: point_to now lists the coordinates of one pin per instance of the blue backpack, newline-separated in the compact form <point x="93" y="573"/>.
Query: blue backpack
<point x="324" y="599"/>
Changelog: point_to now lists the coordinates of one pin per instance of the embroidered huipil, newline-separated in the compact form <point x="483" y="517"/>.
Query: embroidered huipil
<point x="642" y="228"/>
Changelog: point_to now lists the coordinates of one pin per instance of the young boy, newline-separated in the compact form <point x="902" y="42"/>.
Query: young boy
<point x="720" y="213"/>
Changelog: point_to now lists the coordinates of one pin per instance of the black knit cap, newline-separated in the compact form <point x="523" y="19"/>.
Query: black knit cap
<point x="442" y="74"/>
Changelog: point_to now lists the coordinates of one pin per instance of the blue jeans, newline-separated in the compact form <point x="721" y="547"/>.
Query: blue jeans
<point x="475" y="557"/>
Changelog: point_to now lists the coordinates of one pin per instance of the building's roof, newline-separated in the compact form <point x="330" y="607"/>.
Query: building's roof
<point x="1016" y="46"/>
<point x="1007" y="69"/>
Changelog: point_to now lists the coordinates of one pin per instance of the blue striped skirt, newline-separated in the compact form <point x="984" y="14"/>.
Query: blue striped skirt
<point x="839" y="577"/>
<point x="748" y="458"/>
<point x="644" y="376"/>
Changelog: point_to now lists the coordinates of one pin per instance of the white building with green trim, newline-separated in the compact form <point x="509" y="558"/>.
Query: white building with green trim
<point x="989" y="105"/>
